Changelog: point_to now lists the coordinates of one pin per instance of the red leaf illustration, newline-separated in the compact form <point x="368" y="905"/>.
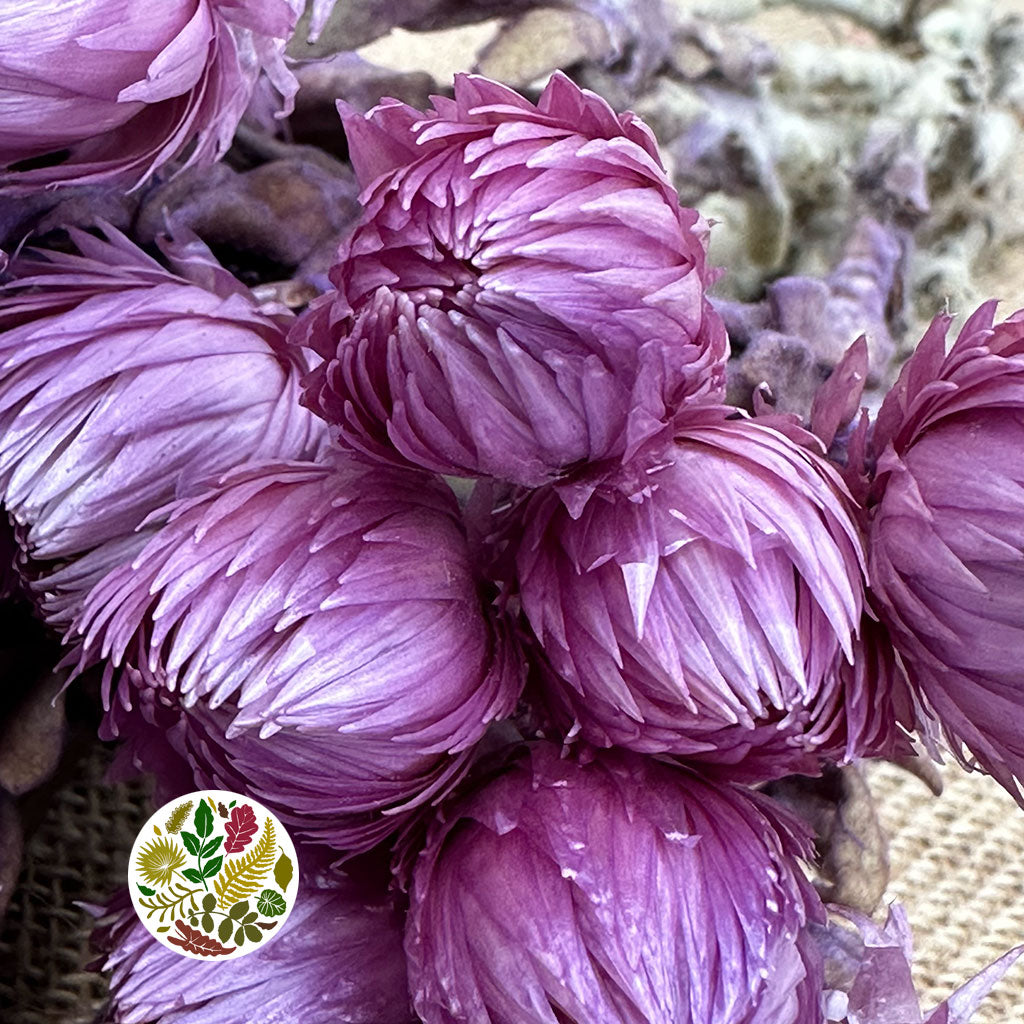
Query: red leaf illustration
<point x="240" y="828"/>
<point x="192" y="940"/>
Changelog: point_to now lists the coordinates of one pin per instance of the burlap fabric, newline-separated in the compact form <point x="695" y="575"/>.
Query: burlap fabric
<point x="78" y="852"/>
<point x="957" y="868"/>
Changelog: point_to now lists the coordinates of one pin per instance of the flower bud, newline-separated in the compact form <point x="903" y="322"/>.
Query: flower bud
<point x="625" y="891"/>
<point x="123" y="386"/>
<point x="946" y="510"/>
<point x="709" y="607"/>
<point x="114" y="89"/>
<point x="522" y="294"/>
<point x="320" y="632"/>
<point x="338" y="958"/>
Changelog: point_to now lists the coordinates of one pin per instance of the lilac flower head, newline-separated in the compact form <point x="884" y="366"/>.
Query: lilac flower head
<point x="625" y="891"/>
<point x="946" y="511"/>
<point x="522" y="294"/>
<point x="123" y="385"/>
<point x="320" y="633"/>
<point x="338" y="960"/>
<point x="708" y="608"/>
<point x="868" y="974"/>
<point x="105" y="90"/>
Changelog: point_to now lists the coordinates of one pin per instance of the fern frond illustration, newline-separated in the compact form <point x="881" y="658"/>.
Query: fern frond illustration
<point x="159" y="859"/>
<point x="242" y="876"/>
<point x="172" y="901"/>
<point x="177" y="818"/>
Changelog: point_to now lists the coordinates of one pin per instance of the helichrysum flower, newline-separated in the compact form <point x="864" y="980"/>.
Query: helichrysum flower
<point x="321" y="632"/>
<point x="707" y="607"/>
<point x="868" y="974"/>
<point x="624" y="891"/>
<point x="338" y="960"/>
<point x="522" y="294"/>
<point x="946" y="511"/>
<point x="122" y="386"/>
<point x="100" y="90"/>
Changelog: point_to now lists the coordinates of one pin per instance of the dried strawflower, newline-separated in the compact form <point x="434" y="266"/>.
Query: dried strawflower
<point x="122" y="386"/>
<point x="338" y="959"/>
<point x="115" y="89"/>
<point x="868" y="978"/>
<point x="319" y="632"/>
<point x="708" y="606"/>
<point x="624" y="891"/>
<point x="946" y="512"/>
<point x="522" y="294"/>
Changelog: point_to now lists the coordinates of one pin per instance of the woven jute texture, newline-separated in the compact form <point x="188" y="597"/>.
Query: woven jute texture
<point x="958" y="869"/>
<point x="79" y="852"/>
<point x="957" y="866"/>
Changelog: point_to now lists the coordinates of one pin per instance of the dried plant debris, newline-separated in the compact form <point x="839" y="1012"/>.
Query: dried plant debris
<point x="852" y="850"/>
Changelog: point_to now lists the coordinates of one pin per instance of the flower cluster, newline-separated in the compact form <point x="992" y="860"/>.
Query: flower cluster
<point x="471" y="573"/>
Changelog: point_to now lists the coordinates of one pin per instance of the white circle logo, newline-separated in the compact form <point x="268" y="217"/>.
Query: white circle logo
<point x="213" y="875"/>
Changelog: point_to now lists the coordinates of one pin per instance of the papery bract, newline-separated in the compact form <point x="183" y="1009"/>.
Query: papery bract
<point x="624" y="891"/>
<point x="105" y="90"/>
<point x="708" y="606"/>
<point x="523" y="292"/>
<point x="946" y="513"/>
<point x="868" y="976"/>
<point x="338" y="960"/>
<point x="122" y="386"/>
<point x="320" y="632"/>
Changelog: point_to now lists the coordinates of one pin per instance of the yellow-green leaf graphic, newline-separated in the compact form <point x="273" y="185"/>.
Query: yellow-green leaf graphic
<point x="283" y="872"/>
<point x="159" y="859"/>
<point x="242" y="876"/>
<point x="177" y="818"/>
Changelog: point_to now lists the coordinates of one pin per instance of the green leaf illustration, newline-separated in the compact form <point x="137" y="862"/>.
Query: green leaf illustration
<point x="239" y="910"/>
<point x="224" y="931"/>
<point x="252" y="934"/>
<point x="209" y="902"/>
<point x="145" y="891"/>
<point x="271" y="904"/>
<point x="244" y="876"/>
<point x="203" y="820"/>
<point x="211" y="847"/>
<point x="173" y="901"/>
<point x="191" y="842"/>
<point x="207" y="922"/>
<point x="177" y="818"/>
<point x="211" y="867"/>
<point x="283" y="872"/>
<point x="192" y="875"/>
<point x="239" y="937"/>
<point x="164" y="928"/>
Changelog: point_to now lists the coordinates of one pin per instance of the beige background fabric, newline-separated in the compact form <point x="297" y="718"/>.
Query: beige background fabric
<point x="958" y="868"/>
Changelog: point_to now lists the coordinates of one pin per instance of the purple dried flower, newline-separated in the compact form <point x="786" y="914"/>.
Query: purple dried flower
<point x="625" y="891"/>
<point x="338" y="960"/>
<point x="947" y="531"/>
<point x="320" y="633"/>
<point x="114" y="89"/>
<point x="868" y="978"/>
<point x="523" y="292"/>
<point x="709" y="607"/>
<point x="122" y="386"/>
